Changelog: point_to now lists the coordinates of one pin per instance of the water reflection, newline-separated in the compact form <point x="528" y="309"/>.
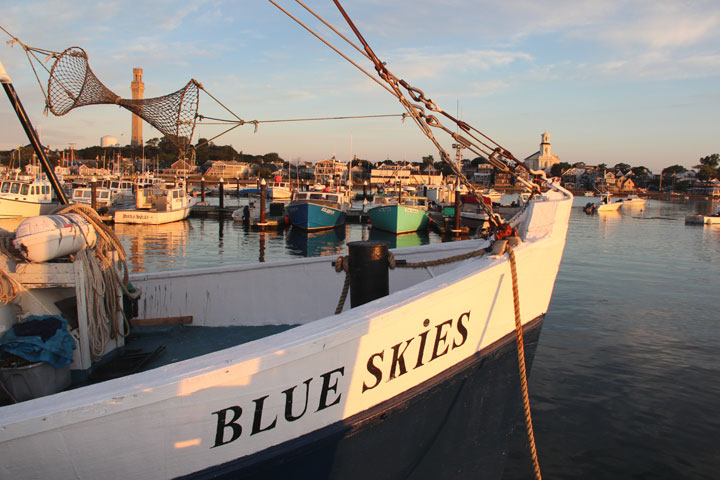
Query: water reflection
<point x="164" y="243"/>
<point x="412" y="239"/>
<point x="314" y="244"/>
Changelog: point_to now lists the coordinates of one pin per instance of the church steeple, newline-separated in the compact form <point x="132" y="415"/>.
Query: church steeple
<point x="545" y="144"/>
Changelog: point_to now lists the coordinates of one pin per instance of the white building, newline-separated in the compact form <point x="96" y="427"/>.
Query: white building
<point x="543" y="159"/>
<point x="330" y="170"/>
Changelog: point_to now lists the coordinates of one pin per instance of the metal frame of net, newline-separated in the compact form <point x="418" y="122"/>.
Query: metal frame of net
<point x="73" y="84"/>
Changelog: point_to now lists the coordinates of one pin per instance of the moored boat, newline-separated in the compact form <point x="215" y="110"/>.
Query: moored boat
<point x="633" y="200"/>
<point x="104" y="196"/>
<point x="279" y="190"/>
<point x="700" y="219"/>
<point x="315" y="210"/>
<point x="157" y="206"/>
<point x="25" y="197"/>
<point x="404" y="215"/>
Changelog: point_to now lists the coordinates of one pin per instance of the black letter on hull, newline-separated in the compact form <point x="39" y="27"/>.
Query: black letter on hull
<point x="257" y="418"/>
<point x="421" y="352"/>
<point x="398" y="360"/>
<point x="222" y="425"/>
<point x="374" y="371"/>
<point x="289" y="401"/>
<point x="440" y="337"/>
<point x="326" y="387"/>
<point x="462" y="329"/>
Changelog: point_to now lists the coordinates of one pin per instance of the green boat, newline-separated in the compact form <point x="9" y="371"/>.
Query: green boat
<point x="403" y="215"/>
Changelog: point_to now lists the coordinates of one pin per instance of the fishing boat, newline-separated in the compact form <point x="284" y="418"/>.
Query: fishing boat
<point x="155" y="206"/>
<point x="120" y="189"/>
<point x="279" y="190"/>
<point x="266" y="385"/>
<point x="399" y="215"/>
<point x="104" y="197"/>
<point x="264" y="370"/>
<point x="25" y="197"/>
<point x="315" y="210"/>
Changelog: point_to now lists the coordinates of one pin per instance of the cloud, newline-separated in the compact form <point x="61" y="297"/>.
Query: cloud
<point x="414" y="63"/>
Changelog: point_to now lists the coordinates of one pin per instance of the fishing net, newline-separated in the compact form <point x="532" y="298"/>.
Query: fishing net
<point x="73" y="84"/>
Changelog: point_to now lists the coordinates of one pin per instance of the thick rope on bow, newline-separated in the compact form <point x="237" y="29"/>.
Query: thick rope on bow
<point x="521" y="363"/>
<point x="393" y="263"/>
<point x="343" y="264"/>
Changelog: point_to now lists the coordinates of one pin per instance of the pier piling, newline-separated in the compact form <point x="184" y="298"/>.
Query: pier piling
<point x="221" y="192"/>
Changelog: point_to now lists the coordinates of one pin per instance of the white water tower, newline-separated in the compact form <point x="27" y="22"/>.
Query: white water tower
<point x="108" y="141"/>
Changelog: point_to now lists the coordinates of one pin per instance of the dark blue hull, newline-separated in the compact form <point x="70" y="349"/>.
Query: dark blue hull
<point x="454" y="426"/>
<point x="311" y="216"/>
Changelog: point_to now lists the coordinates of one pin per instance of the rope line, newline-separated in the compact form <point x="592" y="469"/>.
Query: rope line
<point x="343" y="264"/>
<point x="521" y="363"/>
<point x="222" y="121"/>
<point x="433" y="263"/>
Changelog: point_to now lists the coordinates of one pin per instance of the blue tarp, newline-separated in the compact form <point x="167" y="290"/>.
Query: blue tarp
<point x="40" y="339"/>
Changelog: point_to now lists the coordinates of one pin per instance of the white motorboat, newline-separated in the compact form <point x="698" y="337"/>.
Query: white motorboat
<point x="279" y="190"/>
<point x="25" y="197"/>
<point x="104" y="197"/>
<point x="633" y="200"/>
<point x="157" y="206"/>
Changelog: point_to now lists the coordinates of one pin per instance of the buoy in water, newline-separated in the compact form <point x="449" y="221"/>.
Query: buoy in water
<point x="45" y="237"/>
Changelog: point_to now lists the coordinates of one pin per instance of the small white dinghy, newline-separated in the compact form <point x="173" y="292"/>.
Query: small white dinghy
<point x="45" y="237"/>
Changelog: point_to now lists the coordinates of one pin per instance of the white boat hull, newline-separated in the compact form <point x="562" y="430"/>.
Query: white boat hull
<point x="199" y="414"/>
<point x="149" y="217"/>
<point x="10" y="208"/>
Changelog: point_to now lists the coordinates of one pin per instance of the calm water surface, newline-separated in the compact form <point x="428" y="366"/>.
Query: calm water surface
<point x="626" y="379"/>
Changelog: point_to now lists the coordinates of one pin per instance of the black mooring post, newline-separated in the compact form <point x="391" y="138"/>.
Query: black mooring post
<point x="93" y="194"/>
<point x="369" y="271"/>
<point x="221" y="192"/>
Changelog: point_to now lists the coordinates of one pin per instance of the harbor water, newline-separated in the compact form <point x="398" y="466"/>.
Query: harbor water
<point x="626" y="378"/>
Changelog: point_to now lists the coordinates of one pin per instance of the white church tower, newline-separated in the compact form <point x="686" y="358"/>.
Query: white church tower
<point x="543" y="159"/>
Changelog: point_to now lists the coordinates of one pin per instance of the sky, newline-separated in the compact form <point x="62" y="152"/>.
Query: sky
<point x="613" y="81"/>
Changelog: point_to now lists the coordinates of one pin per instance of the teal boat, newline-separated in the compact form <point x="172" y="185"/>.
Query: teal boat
<point x="409" y="214"/>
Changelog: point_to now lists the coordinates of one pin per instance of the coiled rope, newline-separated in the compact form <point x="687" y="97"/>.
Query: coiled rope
<point x="10" y="288"/>
<point x="521" y="363"/>
<point x="106" y="317"/>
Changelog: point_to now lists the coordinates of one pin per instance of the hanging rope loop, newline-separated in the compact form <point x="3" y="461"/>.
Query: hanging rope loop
<point x="521" y="363"/>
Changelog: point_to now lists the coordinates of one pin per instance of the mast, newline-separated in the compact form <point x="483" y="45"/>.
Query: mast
<point x="31" y="134"/>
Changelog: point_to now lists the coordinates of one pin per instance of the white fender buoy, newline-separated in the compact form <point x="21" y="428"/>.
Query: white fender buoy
<point x="45" y="237"/>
